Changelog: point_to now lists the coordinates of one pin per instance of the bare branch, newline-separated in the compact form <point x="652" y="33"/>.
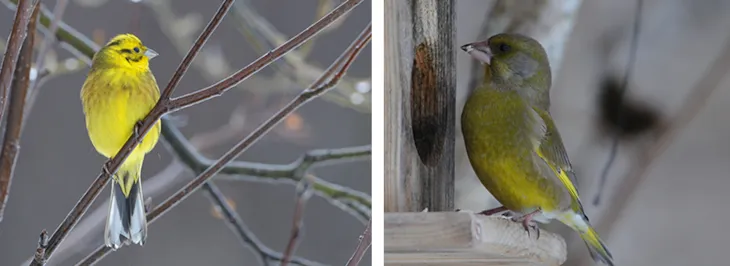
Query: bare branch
<point x="317" y="88"/>
<point x="244" y="233"/>
<point x="236" y="224"/>
<point x="362" y="247"/>
<point x="74" y="41"/>
<point x="349" y="200"/>
<point x="48" y="41"/>
<point x="113" y="165"/>
<point x="700" y="92"/>
<point x="353" y="202"/>
<point x="12" y="51"/>
<point x="304" y="192"/>
<point x="19" y="88"/>
<point x="224" y="85"/>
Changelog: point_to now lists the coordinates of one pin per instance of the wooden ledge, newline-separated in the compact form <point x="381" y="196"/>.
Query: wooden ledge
<point x="463" y="238"/>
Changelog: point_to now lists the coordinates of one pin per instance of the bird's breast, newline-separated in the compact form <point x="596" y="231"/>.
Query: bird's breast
<point x="114" y="101"/>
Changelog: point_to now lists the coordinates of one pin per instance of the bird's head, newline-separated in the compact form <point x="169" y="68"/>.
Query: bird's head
<point x="513" y="59"/>
<point x="125" y="50"/>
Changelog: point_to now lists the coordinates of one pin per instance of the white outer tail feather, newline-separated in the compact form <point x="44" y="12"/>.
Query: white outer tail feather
<point x="114" y="231"/>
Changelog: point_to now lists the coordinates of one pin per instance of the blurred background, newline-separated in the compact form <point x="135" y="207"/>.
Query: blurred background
<point x="57" y="162"/>
<point x="666" y="213"/>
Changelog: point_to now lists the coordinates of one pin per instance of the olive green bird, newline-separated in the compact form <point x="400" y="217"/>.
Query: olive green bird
<point x="513" y="143"/>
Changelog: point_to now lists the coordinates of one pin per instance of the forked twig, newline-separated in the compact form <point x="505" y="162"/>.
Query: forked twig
<point x="236" y="224"/>
<point x="304" y="192"/>
<point x="354" y="202"/>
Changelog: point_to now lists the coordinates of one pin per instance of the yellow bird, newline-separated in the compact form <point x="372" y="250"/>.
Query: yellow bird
<point x="513" y="143"/>
<point x="118" y="93"/>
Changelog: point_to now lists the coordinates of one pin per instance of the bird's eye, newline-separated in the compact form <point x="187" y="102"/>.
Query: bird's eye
<point x="504" y="47"/>
<point x="136" y="49"/>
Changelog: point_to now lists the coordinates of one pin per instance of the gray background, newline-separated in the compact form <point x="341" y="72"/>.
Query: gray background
<point x="57" y="162"/>
<point x="676" y="216"/>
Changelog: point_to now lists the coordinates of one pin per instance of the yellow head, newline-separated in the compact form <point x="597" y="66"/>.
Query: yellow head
<point x="124" y="50"/>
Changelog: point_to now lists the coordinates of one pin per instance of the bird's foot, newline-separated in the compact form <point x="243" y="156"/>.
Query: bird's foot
<point x="137" y="128"/>
<point x="105" y="169"/>
<point x="528" y="222"/>
<point x="148" y="205"/>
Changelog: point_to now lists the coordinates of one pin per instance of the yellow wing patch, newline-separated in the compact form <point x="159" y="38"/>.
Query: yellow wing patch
<point x="562" y="175"/>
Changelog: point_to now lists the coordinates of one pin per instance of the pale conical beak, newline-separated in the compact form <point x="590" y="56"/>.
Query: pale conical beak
<point x="479" y="50"/>
<point x="150" y="53"/>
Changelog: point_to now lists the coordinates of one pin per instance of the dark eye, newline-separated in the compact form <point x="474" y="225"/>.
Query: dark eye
<point x="504" y="47"/>
<point x="136" y="49"/>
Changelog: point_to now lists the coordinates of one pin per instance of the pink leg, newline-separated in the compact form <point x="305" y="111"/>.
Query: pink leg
<point x="528" y="223"/>
<point x="493" y="211"/>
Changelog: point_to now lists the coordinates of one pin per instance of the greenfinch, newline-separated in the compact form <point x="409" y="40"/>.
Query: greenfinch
<point x="513" y="144"/>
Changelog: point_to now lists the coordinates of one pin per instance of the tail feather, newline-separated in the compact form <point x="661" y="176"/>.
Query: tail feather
<point x="127" y="218"/>
<point x="598" y="250"/>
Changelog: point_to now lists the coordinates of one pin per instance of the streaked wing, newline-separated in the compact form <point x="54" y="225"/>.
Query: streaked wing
<point x="553" y="152"/>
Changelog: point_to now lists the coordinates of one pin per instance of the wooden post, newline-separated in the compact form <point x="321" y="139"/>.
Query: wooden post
<point x="420" y="84"/>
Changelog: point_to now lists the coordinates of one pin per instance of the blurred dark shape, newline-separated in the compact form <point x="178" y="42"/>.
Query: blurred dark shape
<point x="621" y="116"/>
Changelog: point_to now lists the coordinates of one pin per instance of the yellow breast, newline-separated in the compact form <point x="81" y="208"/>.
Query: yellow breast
<point x="114" y="101"/>
<point x="501" y="152"/>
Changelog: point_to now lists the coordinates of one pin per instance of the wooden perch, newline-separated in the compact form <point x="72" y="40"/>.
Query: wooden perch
<point x="461" y="238"/>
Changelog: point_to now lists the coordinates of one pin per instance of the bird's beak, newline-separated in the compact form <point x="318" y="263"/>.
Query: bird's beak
<point x="150" y="53"/>
<point x="479" y="50"/>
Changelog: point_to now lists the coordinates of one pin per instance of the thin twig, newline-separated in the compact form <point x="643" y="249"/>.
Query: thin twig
<point x="12" y="51"/>
<point x="187" y="153"/>
<point x="332" y="75"/>
<point x="154" y="185"/>
<point x="234" y="221"/>
<point x="304" y="192"/>
<point x="46" y="45"/>
<point x="700" y="92"/>
<point x="362" y="246"/>
<point x="14" y="126"/>
<point x="258" y="29"/>
<point x="624" y="86"/>
<point x="349" y="200"/>
<point x="112" y="165"/>
<point x="222" y="86"/>
<point x="72" y="39"/>
<point x="246" y="236"/>
<point x="76" y="43"/>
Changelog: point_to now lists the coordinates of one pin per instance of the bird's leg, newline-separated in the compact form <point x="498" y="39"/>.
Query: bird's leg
<point x="493" y="211"/>
<point x="528" y="223"/>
